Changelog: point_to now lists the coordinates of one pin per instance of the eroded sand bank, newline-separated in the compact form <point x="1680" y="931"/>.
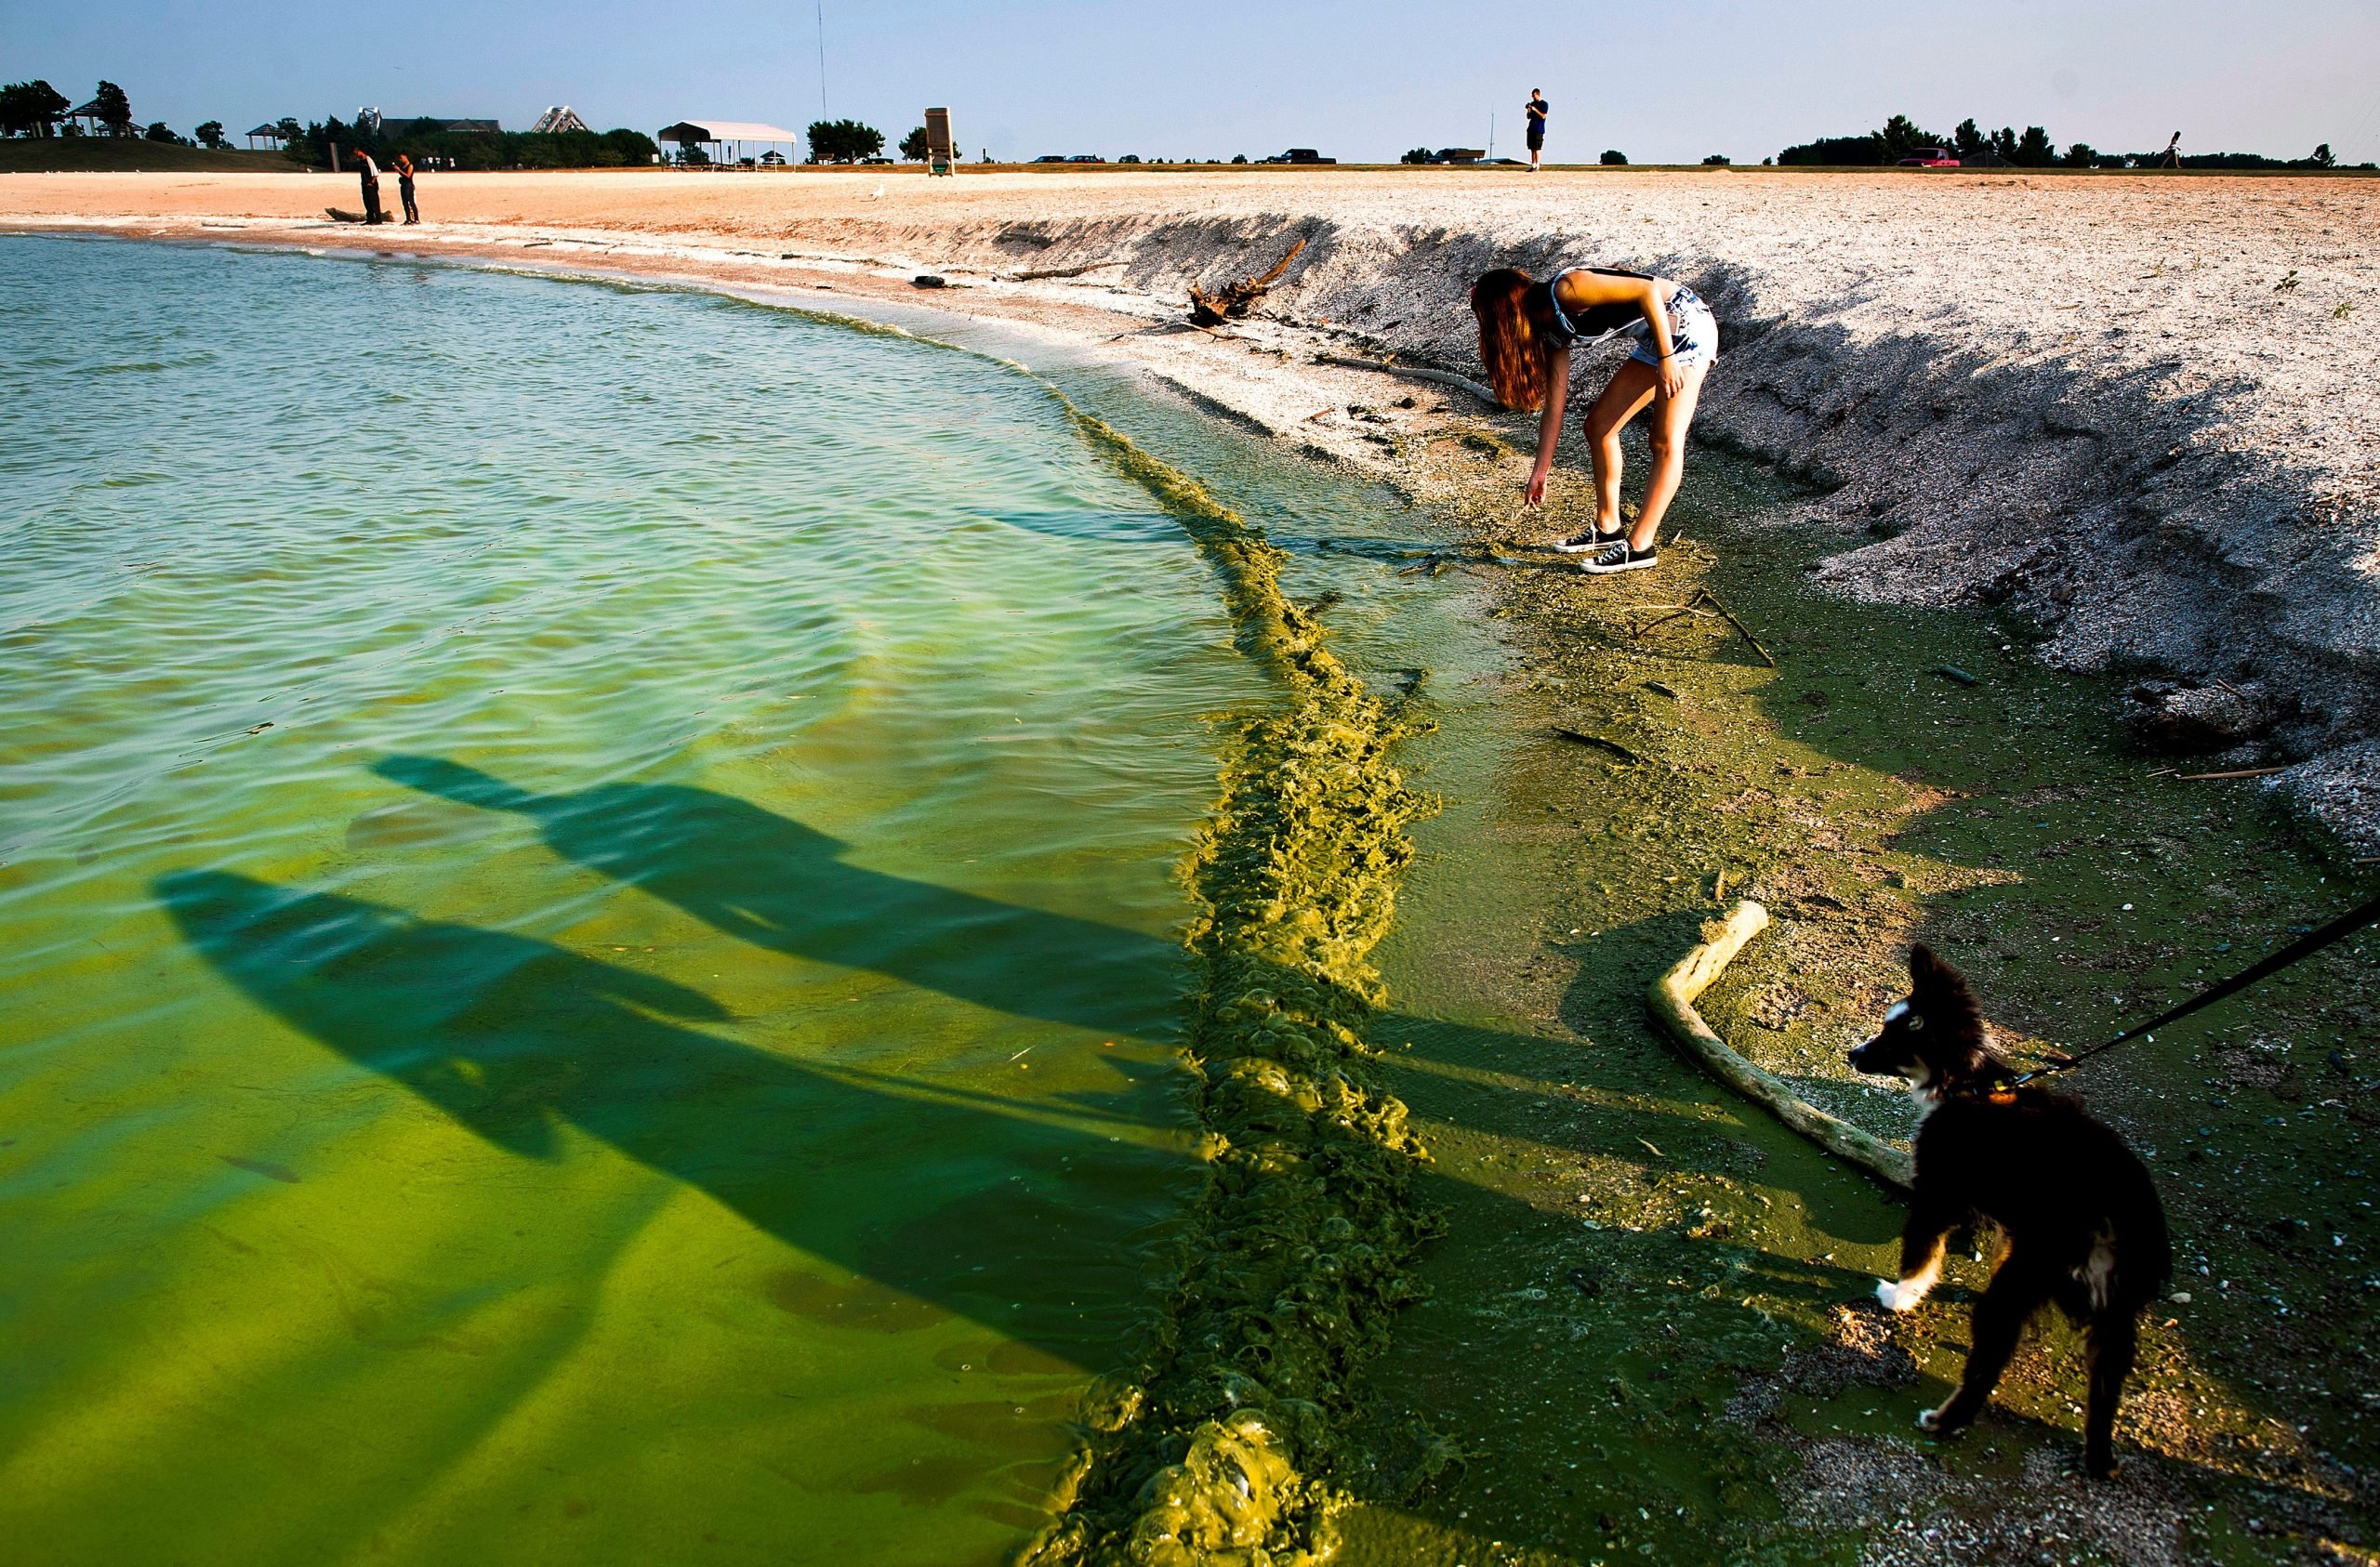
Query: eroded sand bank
<point x="2135" y="408"/>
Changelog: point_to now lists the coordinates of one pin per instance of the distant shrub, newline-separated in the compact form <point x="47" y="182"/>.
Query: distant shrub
<point x="1613" y="158"/>
<point x="1717" y="159"/>
<point x="913" y="146"/>
<point x="1418" y="155"/>
<point x="159" y="131"/>
<point x="1239" y="157"/>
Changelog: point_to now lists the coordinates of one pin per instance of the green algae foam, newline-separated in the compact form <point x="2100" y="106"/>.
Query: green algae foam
<point x="590" y="922"/>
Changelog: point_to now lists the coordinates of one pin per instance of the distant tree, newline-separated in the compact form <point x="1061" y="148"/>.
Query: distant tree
<point x="1418" y="155"/>
<point x="1130" y="158"/>
<point x="1614" y="158"/>
<point x="1856" y="150"/>
<point x="1717" y="159"/>
<point x="1901" y="136"/>
<point x="160" y="131"/>
<point x="2033" y="149"/>
<point x="115" y="109"/>
<point x="289" y="128"/>
<point x="2004" y="142"/>
<point x="31" y="108"/>
<point x="211" y="135"/>
<point x="1967" y="141"/>
<point x="633" y="146"/>
<point x="914" y="146"/>
<point x="843" y="141"/>
<point x="2081" y="156"/>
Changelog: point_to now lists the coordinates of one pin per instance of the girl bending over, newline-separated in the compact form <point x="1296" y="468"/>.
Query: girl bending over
<point x="1526" y="330"/>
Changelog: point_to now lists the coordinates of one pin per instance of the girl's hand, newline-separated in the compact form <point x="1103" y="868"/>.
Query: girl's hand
<point x="1534" y="494"/>
<point x="1672" y="377"/>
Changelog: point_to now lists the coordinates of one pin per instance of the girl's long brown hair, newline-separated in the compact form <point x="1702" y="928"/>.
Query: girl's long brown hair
<point x="1514" y="343"/>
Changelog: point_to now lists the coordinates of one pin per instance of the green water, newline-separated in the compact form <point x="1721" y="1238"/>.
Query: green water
<point x="587" y="930"/>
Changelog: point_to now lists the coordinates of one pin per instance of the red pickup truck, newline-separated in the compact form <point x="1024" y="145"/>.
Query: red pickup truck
<point x="1929" y="157"/>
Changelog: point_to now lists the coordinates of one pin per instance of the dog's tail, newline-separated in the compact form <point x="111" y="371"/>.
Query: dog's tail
<point x="2143" y="1252"/>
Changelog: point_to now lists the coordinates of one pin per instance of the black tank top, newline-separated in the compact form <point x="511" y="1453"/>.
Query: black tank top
<point x="1596" y="320"/>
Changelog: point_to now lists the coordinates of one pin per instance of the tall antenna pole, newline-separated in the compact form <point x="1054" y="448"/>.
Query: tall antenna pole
<point x="822" y="58"/>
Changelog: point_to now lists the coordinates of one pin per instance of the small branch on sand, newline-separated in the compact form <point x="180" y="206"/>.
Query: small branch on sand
<point x="1672" y="999"/>
<point x="1693" y="607"/>
<point x="1062" y="271"/>
<point x="1580" y="737"/>
<point x="2237" y="773"/>
<point x="1414" y="372"/>
<point x="1712" y="600"/>
<point x="1234" y="300"/>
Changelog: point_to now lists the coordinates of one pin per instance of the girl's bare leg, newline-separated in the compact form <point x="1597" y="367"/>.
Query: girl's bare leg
<point x="1634" y="385"/>
<point x="1666" y="437"/>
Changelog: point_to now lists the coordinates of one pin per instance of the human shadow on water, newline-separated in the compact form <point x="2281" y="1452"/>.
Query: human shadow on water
<point x="516" y="1039"/>
<point x="786" y="887"/>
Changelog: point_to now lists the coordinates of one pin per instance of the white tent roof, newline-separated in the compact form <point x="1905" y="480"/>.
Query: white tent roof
<point x="728" y="130"/>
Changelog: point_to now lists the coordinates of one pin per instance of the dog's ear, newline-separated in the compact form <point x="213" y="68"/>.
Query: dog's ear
<point x="1926" y="971"/>
<point x="1936" y="981"/>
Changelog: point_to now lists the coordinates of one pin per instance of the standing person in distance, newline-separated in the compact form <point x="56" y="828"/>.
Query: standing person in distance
<point x="1526" y="330"/>
<point x="404" y="187"/>
<point x="367" y="174"/>
<point x="1536" y="109"/>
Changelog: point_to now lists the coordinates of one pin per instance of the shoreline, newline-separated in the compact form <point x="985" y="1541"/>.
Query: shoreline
<point x="2135" y="412"/>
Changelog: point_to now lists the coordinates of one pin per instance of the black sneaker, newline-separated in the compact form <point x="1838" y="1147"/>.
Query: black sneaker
<point x="1620" y="556"/>
<point x="1587" y="541"/>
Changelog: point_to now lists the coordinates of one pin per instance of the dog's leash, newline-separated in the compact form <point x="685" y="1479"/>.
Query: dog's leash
<point x="2304" y="947"/>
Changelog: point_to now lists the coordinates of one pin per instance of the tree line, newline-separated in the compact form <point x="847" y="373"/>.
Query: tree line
<point x="432" y="144"/>
<point x="1970" y="143"/>
<point x="35" y="109"/>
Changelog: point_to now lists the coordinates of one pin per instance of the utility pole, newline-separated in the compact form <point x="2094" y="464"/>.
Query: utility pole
<point x="822" y="58"/>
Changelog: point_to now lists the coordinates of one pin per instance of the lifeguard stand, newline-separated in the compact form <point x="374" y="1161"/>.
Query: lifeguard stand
<point x="941" y="153"/>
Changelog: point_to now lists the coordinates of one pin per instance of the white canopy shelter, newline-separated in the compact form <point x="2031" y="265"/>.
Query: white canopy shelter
<point x="730" y="134"/>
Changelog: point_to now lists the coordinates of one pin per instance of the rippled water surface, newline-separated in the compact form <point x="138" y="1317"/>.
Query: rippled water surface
<point x="586" y="940"/>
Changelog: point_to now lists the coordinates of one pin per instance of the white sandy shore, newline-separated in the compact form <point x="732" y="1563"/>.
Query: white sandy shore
<point x="2136" y="408"/>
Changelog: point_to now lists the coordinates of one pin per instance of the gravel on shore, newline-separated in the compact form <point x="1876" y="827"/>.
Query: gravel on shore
<point x="2132" y="408"/>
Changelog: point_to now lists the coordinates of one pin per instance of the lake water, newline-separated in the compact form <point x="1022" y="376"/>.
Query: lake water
<point x="588" y="932"/>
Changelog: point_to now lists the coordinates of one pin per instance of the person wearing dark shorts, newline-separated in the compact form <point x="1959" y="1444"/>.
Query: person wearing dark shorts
<point x="1536" y="109"/>
<point x="404" y="187"/>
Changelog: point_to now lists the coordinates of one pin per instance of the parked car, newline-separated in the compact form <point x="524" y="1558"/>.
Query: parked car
<point x="1929" y="157"/>
<point x="1300" y="156"/>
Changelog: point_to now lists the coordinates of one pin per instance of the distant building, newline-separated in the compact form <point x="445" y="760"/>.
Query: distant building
<point x="459" y="127"/>
<point x="560" y="118"/>
<point x="265" y="132"/>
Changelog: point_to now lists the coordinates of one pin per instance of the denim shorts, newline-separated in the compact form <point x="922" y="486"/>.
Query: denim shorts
<point x="1694" y="333"/>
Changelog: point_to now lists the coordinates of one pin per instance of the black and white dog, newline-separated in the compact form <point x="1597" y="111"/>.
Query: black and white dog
<point x="2078" y="1213"/>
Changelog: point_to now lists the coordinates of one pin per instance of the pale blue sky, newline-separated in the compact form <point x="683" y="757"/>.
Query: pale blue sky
<point x="1214" y="77"/>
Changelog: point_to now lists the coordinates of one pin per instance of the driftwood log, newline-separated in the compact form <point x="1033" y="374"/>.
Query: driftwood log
<point x="1672" y="997"/>
<point x="1234" y="300"/>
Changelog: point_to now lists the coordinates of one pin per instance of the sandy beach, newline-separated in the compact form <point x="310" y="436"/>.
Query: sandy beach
<point x="2132" y="408"/>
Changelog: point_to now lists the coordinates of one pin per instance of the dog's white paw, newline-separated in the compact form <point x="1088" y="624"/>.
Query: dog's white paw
<point x="1897" y="1296"/>
<point x="1928" y="1419"/>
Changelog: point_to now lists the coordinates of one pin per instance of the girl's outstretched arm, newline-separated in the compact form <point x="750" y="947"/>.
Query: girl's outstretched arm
<point x="1549" y="423"/>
